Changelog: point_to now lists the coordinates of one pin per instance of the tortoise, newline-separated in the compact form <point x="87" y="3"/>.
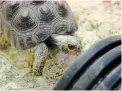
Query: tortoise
<point x="27" y="24"/>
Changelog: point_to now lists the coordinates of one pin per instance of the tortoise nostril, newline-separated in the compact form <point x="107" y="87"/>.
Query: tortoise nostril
<point x="79" y="48"/>
<point x="71" y="47"/>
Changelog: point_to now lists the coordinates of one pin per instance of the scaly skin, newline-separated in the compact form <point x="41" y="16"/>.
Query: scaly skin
<point x="66" y="43"/>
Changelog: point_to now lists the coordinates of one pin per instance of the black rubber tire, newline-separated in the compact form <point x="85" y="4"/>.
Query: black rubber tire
<point x="110" y="80"/>
<point x="93" y="66"/>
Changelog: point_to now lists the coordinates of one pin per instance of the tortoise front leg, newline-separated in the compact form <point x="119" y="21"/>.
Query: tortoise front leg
<point x="40" y="59"/>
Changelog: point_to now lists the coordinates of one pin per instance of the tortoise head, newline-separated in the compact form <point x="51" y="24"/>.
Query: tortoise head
<point x="28" y="23"/>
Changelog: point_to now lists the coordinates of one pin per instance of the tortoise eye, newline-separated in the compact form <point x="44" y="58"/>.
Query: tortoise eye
<point x="71" y="47"/>
<point x="23" y="21"/>
<point x="10" y="10"/>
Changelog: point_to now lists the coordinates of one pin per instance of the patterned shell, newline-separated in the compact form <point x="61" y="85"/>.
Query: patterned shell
<point x="28" y="23"/>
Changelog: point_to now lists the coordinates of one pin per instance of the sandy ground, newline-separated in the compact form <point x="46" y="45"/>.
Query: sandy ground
<point x="96" y="20"/>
